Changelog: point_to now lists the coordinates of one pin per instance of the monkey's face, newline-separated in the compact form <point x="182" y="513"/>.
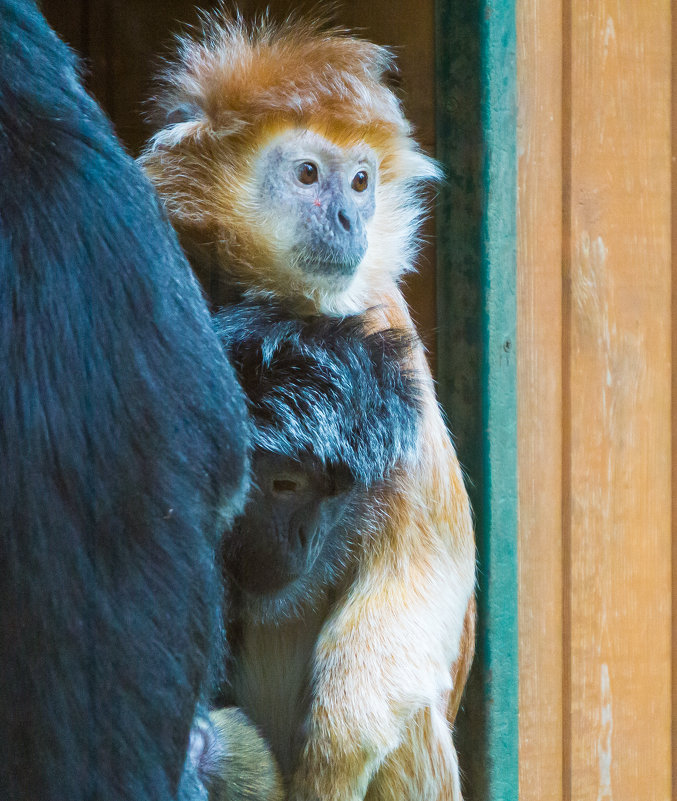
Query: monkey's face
<point x="291" y="528"/>
<point x="315" y="200"/>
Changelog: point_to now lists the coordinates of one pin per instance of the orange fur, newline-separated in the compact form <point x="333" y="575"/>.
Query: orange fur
<point x="393" y="651"/>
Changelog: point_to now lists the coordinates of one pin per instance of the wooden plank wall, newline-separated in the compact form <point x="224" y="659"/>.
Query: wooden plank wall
<point x="594" y="377"/>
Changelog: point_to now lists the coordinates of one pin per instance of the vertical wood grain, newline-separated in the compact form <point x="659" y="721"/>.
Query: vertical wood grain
<point x="69" y="20"/>
<point x="539" y="337"/>
<point x="618" y="305"/>
<point x="674" y="403"/>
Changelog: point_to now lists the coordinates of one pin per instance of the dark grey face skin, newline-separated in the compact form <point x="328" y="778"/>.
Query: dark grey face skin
<point x="292" y="513"/>
<point x="318" y="199"/>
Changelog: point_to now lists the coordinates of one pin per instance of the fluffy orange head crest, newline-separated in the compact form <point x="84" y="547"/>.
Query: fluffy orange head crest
<point x="236" y="85"/>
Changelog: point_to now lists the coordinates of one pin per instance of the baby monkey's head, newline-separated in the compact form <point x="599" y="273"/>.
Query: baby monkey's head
<point x="287" y="165"/>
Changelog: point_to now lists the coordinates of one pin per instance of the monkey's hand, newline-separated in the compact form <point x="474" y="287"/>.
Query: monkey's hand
<point x="324" y="386"/>
<point x="233" y="761"/>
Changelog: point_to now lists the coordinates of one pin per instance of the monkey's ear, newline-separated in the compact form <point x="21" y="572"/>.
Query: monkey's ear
<point x="176" y="122"/>
<point x="189" y="111"/>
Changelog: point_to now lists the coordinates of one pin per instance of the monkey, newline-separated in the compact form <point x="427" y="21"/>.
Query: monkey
<point x="291" y="174"/>
<point x="320" y="441"/>
<point x="124" y="453"/>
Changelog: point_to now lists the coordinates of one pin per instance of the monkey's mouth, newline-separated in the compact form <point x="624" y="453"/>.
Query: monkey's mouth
<point x="326" y="263"/>
<point x="262" y="567"/>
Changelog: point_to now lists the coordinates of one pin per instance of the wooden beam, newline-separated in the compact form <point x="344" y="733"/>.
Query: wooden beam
<point x="539" y="334"/>
<point x="477" y="362"/>
<point x="617" y="398"/>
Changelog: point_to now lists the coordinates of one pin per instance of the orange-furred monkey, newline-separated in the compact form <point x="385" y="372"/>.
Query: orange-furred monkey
<point x="288" y="168"/>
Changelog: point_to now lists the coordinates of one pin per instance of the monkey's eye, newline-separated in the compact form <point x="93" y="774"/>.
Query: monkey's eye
<point x="307" y="173"/>
<point x="360" y="181"/>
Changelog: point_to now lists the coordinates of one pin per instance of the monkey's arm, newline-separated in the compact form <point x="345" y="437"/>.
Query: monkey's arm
<point x="397" y="640"/>
<point x="386" y="654"/>
<point x="324" y="387"/>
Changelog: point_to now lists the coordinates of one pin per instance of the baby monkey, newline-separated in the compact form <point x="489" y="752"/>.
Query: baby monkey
<point x="290" y="172"/>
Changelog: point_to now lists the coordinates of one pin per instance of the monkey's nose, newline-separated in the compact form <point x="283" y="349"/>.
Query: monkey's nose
<point x="344" y="219"/>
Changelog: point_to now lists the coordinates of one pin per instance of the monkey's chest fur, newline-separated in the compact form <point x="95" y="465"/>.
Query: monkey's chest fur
<point x="271" y="679"/>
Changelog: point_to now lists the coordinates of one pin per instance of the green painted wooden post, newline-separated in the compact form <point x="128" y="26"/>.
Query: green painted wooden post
<point x="476" y="135"/>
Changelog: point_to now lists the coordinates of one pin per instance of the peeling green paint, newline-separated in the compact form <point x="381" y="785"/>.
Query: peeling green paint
<point x="476" y="135"/>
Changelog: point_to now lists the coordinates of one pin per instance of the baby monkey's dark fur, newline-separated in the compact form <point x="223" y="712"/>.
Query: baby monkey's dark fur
<point x="324" y="386"/>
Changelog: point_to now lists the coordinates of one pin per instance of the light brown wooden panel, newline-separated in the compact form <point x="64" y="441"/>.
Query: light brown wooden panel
<point x="674" y="406"/>
<point x="539" y="336"/>
<point x="609" y="700"/>
<point x="618" y="398"/>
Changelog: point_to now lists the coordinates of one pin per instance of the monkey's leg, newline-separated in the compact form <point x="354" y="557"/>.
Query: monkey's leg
<point x="423" y="768"/>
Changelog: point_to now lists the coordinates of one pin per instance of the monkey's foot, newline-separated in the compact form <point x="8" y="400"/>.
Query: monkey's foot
<point x="233" y="760"/>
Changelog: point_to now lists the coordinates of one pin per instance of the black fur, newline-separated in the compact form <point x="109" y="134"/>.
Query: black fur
<point x="321" y="386"/>
<point x="122" y="451"/>
<point x="338" y="407"/>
